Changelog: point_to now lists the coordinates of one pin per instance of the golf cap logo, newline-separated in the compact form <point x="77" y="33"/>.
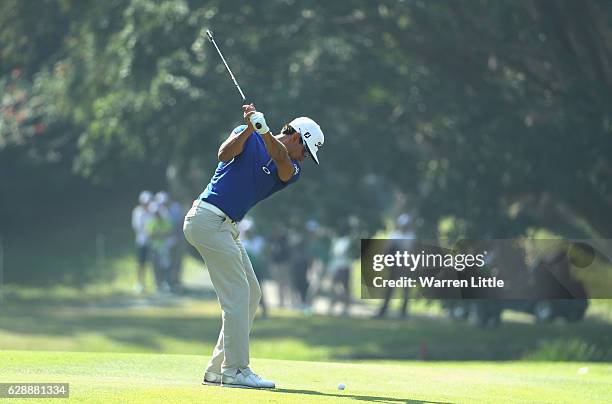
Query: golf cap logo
<point x="307" y="135"/>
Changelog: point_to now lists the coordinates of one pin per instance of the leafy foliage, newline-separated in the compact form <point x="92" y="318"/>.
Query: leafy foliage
<point x="494" y="114"/>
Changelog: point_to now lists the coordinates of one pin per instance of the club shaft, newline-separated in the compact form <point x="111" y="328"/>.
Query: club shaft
<point x="225" y="63"/>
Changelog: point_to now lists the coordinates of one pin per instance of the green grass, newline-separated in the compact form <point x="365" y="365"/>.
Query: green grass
<point x="112" y="347"/>
<point x="121" y="274"/>
<point x="119" y="323"/>
<point x="132" y="378"/>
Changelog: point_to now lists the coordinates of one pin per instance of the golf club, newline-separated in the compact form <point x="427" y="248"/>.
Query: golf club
<point x="210" y="37"/>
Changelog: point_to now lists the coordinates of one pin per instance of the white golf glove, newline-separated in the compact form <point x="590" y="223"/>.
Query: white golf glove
<point x="259" y="123"/>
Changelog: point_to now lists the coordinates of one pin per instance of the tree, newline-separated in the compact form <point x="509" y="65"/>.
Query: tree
<point x="490" y="113"/>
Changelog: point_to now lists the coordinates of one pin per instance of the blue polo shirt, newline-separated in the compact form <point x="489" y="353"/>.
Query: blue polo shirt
<point x="245" y="180"/>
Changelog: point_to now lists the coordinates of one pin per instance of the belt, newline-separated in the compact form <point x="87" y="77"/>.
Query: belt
<point x="209" y="206"/>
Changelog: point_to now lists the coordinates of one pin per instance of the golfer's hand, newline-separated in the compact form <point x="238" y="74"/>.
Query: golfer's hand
<point x="247" y="111"/>
<point x="255" y="119"/>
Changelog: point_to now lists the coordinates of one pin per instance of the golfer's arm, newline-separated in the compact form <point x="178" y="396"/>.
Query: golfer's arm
<point x="233" y="145"/>
<point x="277" y="150"/>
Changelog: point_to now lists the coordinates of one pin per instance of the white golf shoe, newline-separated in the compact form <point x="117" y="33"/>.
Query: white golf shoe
<point x="245" y="378"/>
<point x="212" y="379"/>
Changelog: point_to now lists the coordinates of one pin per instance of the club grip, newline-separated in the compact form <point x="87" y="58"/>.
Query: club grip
<point x="257" y="125"/>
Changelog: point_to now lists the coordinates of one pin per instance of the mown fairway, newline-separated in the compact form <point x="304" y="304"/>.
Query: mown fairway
<point x="125" y="349"/>
<point x="116" y="377"/>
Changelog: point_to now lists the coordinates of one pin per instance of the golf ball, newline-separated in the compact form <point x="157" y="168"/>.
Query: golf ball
<point x="341" y="386"/>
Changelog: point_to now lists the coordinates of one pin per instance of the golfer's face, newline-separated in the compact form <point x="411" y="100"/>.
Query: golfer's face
<point x="296" y="148"/>
<point x="303" y="150"/>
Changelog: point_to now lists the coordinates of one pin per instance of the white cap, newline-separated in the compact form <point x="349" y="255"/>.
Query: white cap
<point x="403" y="220"/>
<point x="162" y="197"/>
<point x="311" y="134"/>
<point x="246" y="224"/>
<point x="312" y="225"/>
<point x="145" y="197"/>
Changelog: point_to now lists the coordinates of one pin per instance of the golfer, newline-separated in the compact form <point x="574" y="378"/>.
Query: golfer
<point x="254" y="164"/>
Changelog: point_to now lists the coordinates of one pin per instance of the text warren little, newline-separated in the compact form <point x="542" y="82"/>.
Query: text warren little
<point x="431" y="282"/>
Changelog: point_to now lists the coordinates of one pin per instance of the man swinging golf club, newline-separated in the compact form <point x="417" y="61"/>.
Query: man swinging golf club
<point x="253" y="165"/>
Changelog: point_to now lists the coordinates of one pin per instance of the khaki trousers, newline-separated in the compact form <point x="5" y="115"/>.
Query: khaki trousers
<point x="216" y="239"/>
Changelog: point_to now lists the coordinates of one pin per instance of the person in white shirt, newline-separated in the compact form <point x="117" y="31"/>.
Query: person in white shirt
<point x="140" y="217"/>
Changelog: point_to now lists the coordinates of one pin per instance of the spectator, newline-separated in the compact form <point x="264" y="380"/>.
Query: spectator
<point x="174" y="213"/>
<point x="401" y="238"/>
<point x="318" y="251"/>
<point x="140" y="217"/>
<point x="339" y="272"/>
<point x="159" y="228"/>
<point x="279" y="264"/>
<point x="255" y="245"/>
<point x="299" y="263"/>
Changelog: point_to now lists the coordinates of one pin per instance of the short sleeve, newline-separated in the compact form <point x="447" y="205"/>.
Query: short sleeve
<point x="296" y="173"/>
<point x="249" y="141"/>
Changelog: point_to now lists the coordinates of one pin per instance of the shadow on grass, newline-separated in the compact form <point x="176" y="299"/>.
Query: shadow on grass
<point x="142" y="332"/>
<point x="102" y="299"/>
<point x="374" y="399"/>
<point x="323" y="338"/>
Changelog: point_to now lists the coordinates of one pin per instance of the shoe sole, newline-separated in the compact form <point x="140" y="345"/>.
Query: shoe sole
<point x="242" y="386"/>
<point x="207" y="383"/>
